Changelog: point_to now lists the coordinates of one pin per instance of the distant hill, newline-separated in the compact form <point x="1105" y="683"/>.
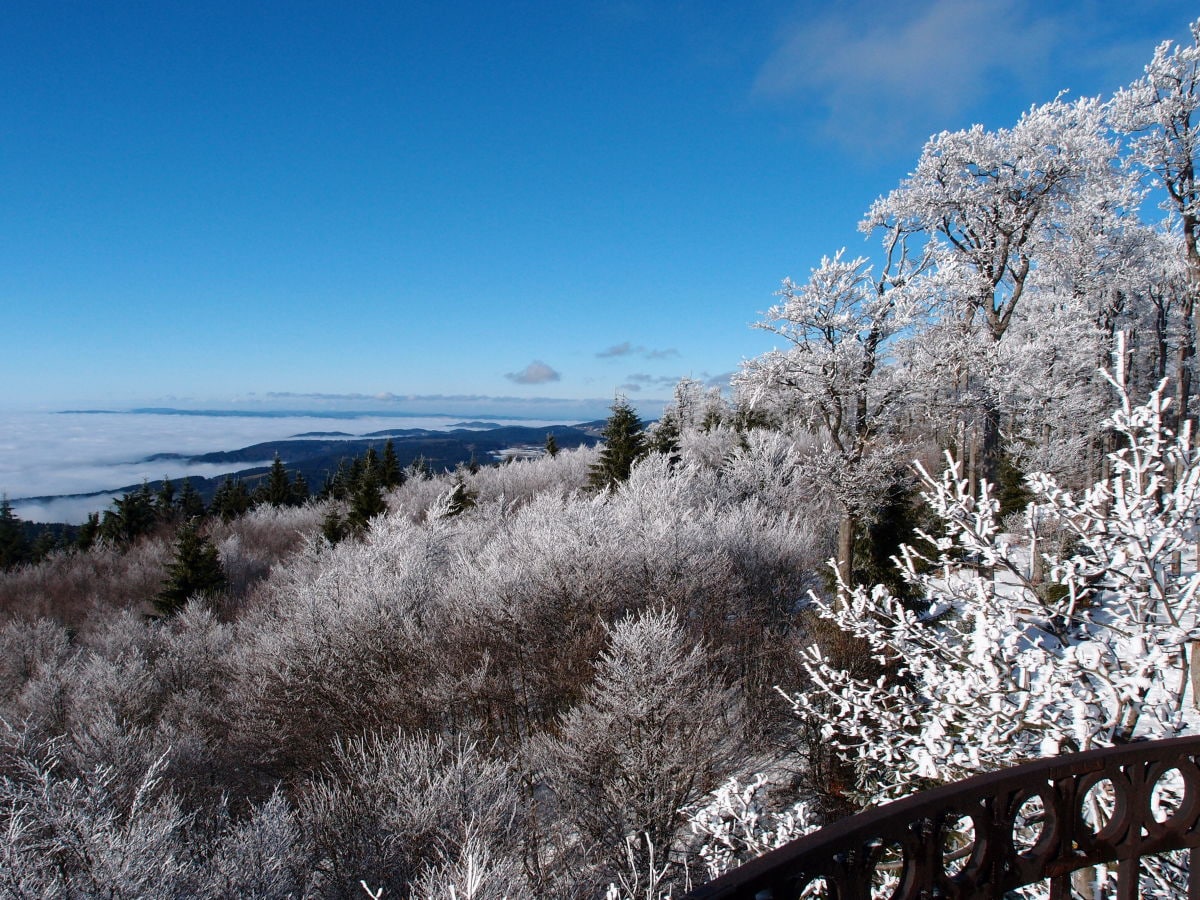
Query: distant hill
<point x="317" y="454"/>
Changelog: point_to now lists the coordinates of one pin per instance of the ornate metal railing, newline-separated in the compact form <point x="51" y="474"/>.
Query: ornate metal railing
<point x="994" y="833"/>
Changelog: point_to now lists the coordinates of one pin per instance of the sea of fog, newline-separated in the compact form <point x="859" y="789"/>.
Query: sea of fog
<point x="46" y="454"/>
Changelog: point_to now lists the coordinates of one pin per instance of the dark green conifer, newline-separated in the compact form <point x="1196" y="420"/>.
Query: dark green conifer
<point x="1011" y="489"/>
<point x="195" y="571"/>
<point x="14" y="546"/>
<point x="462" y="498"/>
<point x="333" y="526"/>
<point x="300" y="490"/>
<point x="367" y="501"/>
<point x="164" y="501"/>
<point x="392" y="476"/>
<point x="277" y="490"/>
<point x="551" y="444"/>
<point x="624" y="444"/>
<point x="231" y="500"/>
<point x="46" y="543"/>
<point x="132" y="516"/>
<point x="190" y="503"/>
<point x="665" y="437"/>
<point x="339" y="485"/>
<point x="88" y="532"/>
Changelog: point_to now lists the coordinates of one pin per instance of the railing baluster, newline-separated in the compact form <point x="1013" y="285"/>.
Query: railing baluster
<point x="1127" y="879"/>
<point x="1066" y="843"/>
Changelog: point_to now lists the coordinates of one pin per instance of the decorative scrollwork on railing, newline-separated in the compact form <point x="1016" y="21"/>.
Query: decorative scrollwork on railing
<point x="995" y="833"/>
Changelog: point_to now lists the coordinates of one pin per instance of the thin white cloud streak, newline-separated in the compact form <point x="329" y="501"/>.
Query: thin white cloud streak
<point x="625" y="348"/>
<point x="894" y="75"/>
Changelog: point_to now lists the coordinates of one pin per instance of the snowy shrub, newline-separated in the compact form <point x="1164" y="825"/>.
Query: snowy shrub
<point x="707" y="449"/>
<point x="338" y="643"/>
<point x="522" y="480"/>
<point x="474" y="872"/>
<point x="77" y="837"/>
<point x="80" y="590"/>
<point x="260" y="857"/>
<point x="392" y="807"/>
<point x="736" y="823"/>
<point x="27" y="649"/>
<point x="654" y="732"/>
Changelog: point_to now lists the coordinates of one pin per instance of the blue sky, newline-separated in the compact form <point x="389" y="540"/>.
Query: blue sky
<point x="253" y="204"/>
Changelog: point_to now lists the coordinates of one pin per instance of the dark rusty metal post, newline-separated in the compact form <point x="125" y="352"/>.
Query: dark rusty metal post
<point x="846" y="852"/>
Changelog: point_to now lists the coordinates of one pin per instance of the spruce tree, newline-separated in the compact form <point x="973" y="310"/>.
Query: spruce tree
<point x="392" y="474"/>
<point x="461" y="499"/>
<point x="14" y="548"/>
<point x="665" y="437"/>
<point x="367" y="501"/>
<point x="231" y="499"/>
<point x="551" y="444"/>
<point x="371" y="460"/>
<point x="190" y="503"/>
<point x="45" y="544"/>
<point x="278" y="490"/>
<point x="195" y="571"/>
<point x="340" y="484"/>
<point x="88" y="532"/>
<point x="624" y="444"/>
<point x="164" y="502"/>
<point x="131" y="517"/>
<point x="333" y="527"/>
<point x="300" y="492"/>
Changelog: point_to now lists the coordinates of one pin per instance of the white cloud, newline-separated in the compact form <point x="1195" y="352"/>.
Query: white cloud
<point x="625" y="348"/>
<point x="638" y="380"/>
<point x="537" y="372"/>
<point x="895" y="74"/>
<point x="48" y="454"/>
<point x="622" y="349"/>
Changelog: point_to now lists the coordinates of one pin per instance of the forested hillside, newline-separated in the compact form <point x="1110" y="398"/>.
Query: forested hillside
<point x="616" y="672"/>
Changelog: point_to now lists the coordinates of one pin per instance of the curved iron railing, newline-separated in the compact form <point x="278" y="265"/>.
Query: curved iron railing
<point x="1029" y="827"/>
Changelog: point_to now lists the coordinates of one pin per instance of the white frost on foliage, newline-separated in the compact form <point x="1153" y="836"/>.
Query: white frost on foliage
<point x="736" y="824"/>
<point x="992" y="673"/>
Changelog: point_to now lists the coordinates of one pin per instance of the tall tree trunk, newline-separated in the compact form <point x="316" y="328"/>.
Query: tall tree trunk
<point x="1191" y="316"/>
<point x="845" y="548"/>
<point x="1184" y="356"/>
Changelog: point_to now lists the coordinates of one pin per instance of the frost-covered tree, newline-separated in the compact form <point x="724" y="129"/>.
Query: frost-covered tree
<point x="1159" y="111"/>
<point x="834" y="381"/>
<point x="994" y="669"/>
<point x="400" y="811"/>
<point x="991" y="669"/>
<point x="649" y="739"/>
<point x="989" y="200"/>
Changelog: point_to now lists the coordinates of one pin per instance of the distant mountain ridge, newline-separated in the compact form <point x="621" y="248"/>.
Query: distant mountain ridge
<point x="317" y="455"/>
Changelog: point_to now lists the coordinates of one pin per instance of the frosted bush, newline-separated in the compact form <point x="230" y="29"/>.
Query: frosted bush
<point x="393" y="807"/>
<point x="522" y="480"/>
